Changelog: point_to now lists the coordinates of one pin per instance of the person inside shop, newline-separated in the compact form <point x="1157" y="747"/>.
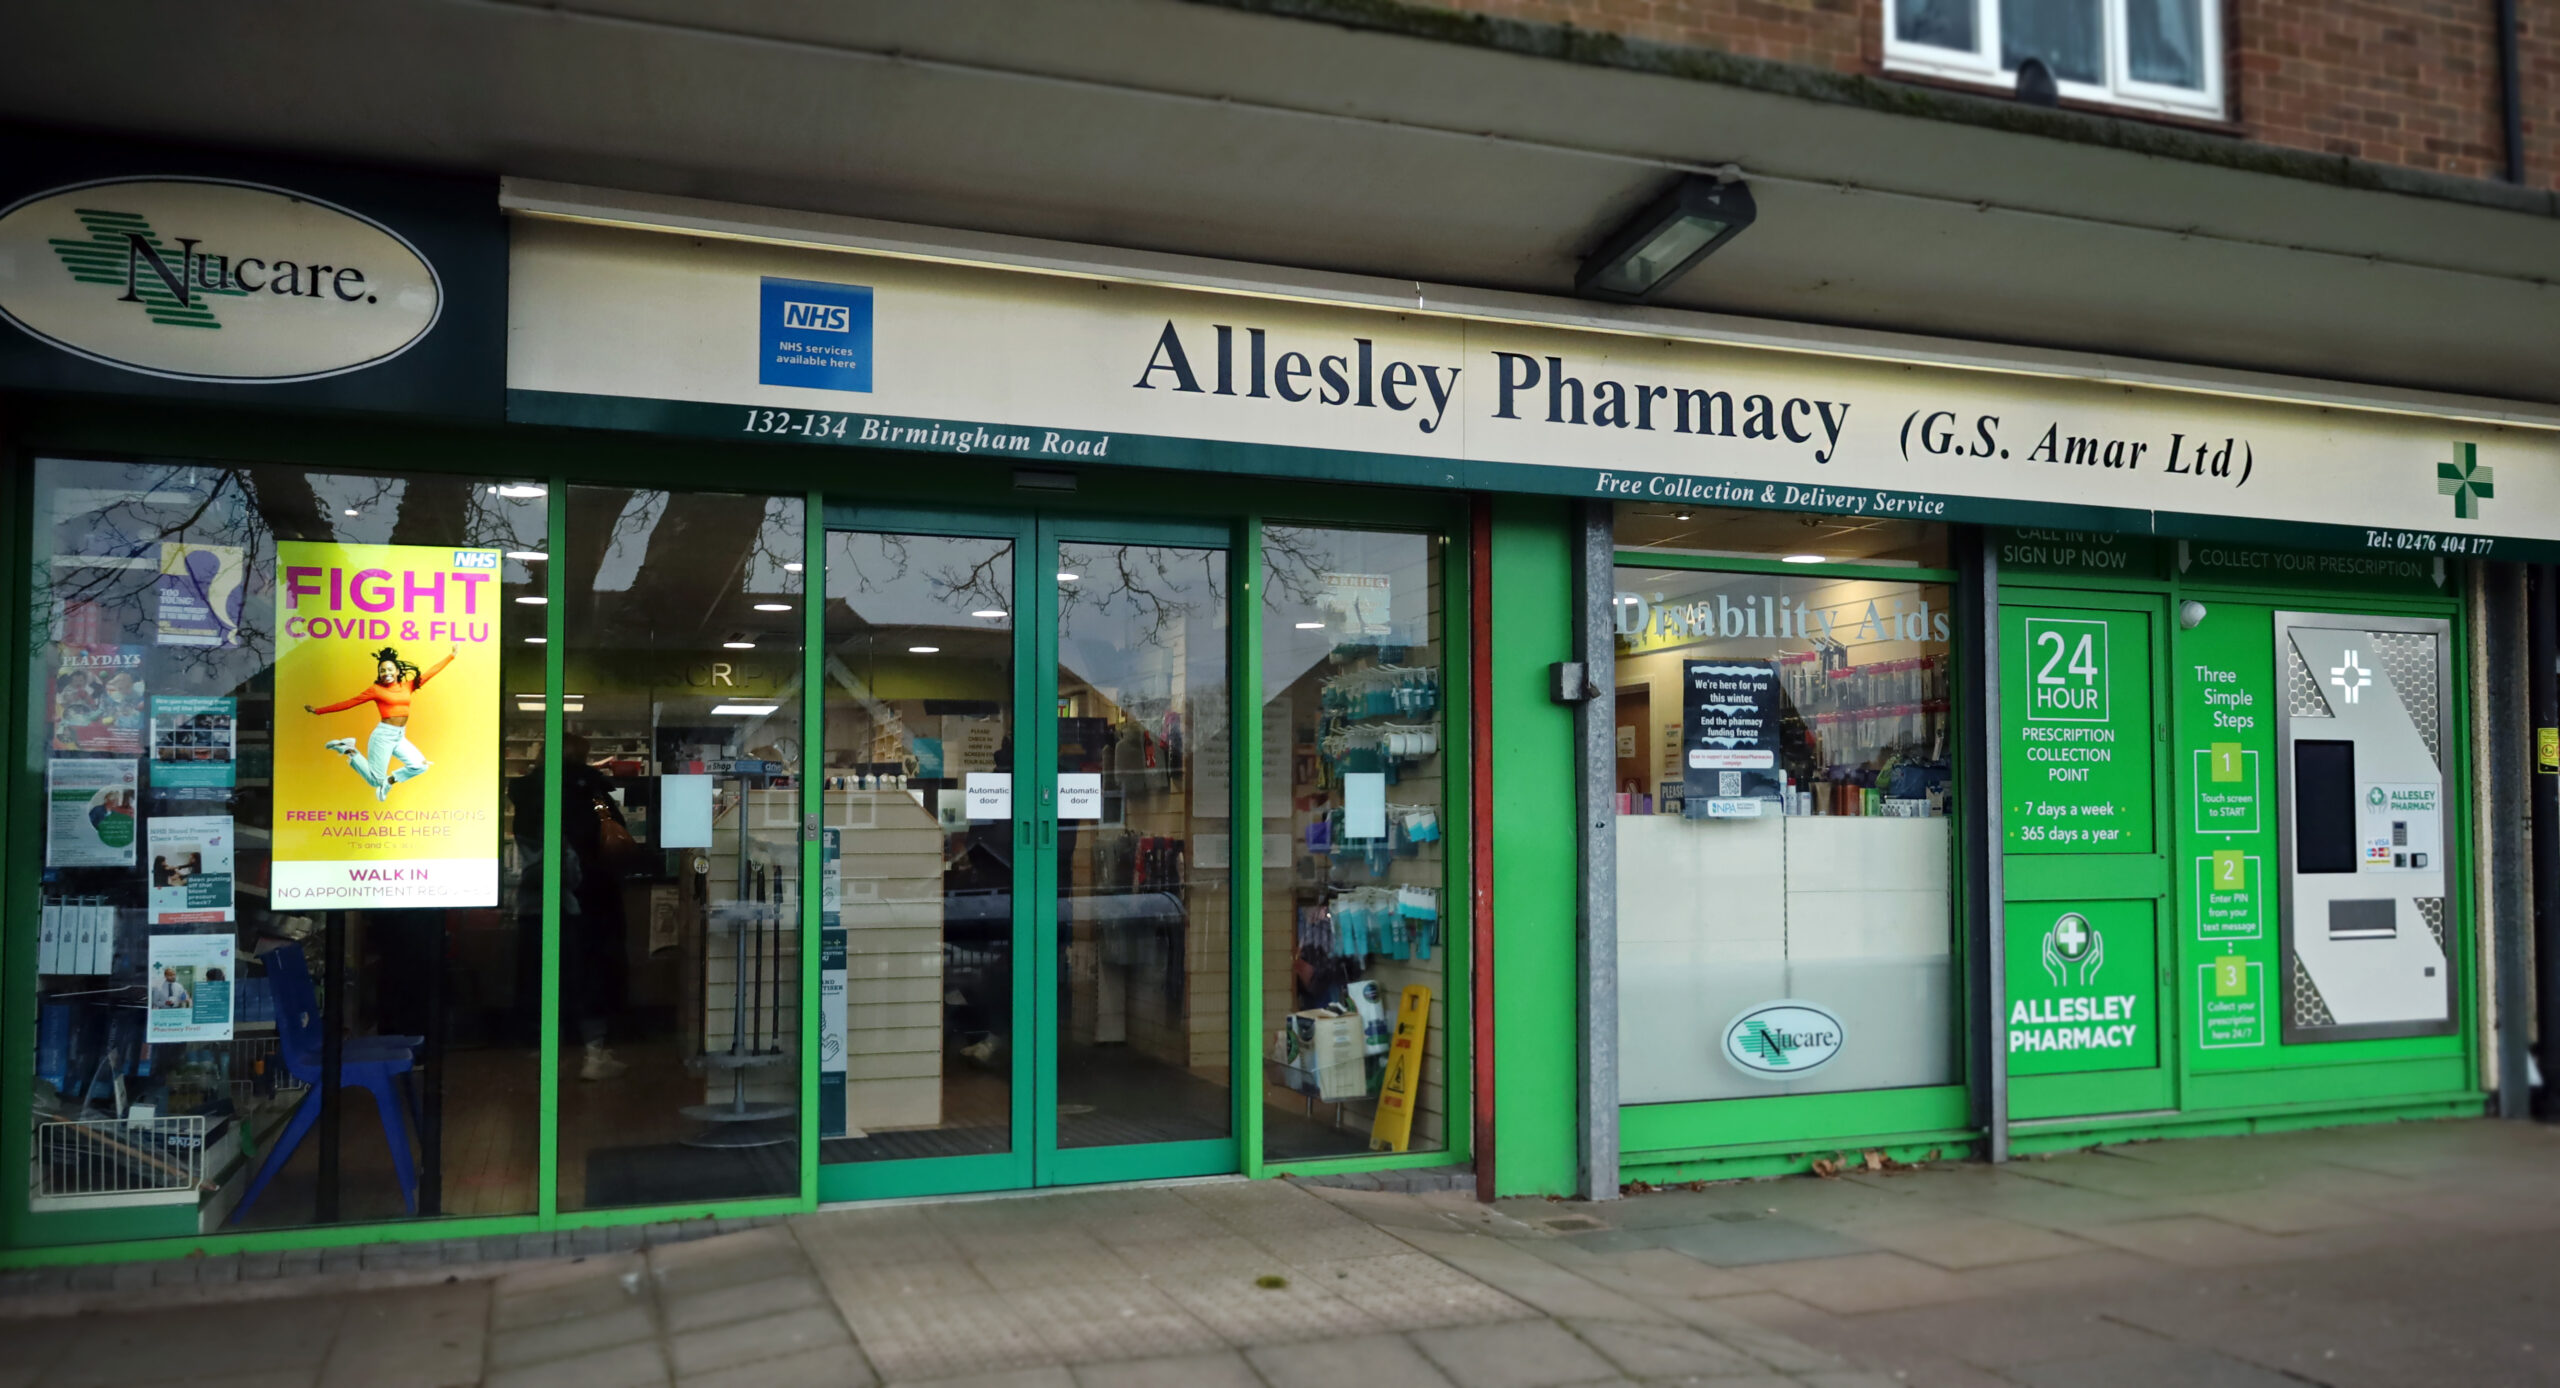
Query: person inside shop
<point x="591" y="919"/>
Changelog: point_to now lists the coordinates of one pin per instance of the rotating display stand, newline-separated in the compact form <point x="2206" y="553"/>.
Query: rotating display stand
<point x="755" y="1039"/>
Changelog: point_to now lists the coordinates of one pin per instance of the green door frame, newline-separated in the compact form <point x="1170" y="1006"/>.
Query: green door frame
<point x="1055" y="1165"/>
<point x="1035" y="1158"/>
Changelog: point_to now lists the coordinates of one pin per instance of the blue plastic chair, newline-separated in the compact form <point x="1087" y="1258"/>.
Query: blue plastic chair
<point x="376" y="1063"/>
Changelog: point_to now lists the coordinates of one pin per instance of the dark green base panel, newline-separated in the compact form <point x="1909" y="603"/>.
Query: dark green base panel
<point x="2068" y="1136"/>
<point x="1901" y="1147"/>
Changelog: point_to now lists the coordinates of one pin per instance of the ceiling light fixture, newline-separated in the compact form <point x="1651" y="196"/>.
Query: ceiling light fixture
<point x="924" y="650"/>
<point x="989" y="613"/>
<point x="739" y="645"/>
<point x="773" y="607"/>
<point x="530" y="556"/>
<point x="791" y="568"/>
<point x="1065" y="577"/>
<point x="521" y="490"/>
<point x="537" y="640"/>
<point x="354" y="512"/>
<point x="531" y="600"/>
<point x="1688" y="223"/>
<point x="1310" y="626"/>
<point x="1802" y="559"/>
<point x="744" y="710"/>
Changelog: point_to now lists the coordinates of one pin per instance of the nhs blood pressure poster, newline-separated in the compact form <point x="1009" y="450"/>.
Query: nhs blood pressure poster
<point x="386" y="731"/>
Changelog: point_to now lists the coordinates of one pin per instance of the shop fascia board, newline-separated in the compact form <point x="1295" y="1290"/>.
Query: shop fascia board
<point x="825" y="231"/>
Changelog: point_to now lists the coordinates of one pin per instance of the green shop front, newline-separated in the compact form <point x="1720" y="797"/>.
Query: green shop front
<point x="591" y="708"/>
<point x="2225" y="882"/>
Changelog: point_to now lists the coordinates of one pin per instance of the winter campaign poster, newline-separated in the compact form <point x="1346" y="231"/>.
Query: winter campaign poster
<point x="89" y="812"/>
<point x="202" y="594"/>
<point x="386" y="731"/>
<point x="188" y="989"/>
<point x="190" y="869"/>
<point x="194" y="741"/>
<point x="98" y="703"/>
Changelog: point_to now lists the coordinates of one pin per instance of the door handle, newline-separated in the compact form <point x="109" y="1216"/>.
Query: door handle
<point x="1045" y="827"/>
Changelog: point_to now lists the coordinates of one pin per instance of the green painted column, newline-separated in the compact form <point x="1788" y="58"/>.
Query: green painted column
<point x="1536" y="1024"/>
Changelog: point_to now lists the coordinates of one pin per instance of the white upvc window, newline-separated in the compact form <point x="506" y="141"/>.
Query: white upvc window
<point x="2152" y="55"/>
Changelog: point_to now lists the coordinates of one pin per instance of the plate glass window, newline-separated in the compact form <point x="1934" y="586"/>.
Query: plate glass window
<point x="270" y="741"/>
<point x="1784" y="808"/>
<point x="682" y="899"/>
<point x="1357" y="916"/>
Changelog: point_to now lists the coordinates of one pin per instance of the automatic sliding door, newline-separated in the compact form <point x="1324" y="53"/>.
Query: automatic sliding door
<point x="1137" y="866"/>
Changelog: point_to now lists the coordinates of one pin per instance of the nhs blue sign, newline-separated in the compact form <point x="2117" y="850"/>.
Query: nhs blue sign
<point x="817" y="318"/>
<point x="815" y="335"/>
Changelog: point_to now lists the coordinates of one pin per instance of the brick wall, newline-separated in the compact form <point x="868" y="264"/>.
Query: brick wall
<point x="2408" y="82"/>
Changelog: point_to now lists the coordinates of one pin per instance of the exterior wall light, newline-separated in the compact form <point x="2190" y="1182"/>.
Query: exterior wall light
<point x="2190" y="614"/>
<point x="1677" y="230"/>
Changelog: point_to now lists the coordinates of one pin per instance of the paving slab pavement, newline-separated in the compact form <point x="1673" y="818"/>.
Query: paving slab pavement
<point x="2406" y="1255"/>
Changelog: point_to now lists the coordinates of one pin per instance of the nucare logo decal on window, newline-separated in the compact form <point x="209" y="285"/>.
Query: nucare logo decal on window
<point x="206" y="279"/>
<point x="815" y="334"/>
<point x="1782" y="1040"/>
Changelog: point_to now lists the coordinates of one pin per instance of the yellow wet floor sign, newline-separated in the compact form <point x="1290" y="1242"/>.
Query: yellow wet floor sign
<point x="1402" y="1085"/>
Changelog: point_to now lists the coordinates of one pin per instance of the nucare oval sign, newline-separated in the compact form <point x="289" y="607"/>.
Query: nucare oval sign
<point x="206" y="279"/>
<point x="1783" y="1040"/>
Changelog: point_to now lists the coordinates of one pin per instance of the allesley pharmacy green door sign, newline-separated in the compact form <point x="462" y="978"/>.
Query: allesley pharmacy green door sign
<point x="2085" y="874"/>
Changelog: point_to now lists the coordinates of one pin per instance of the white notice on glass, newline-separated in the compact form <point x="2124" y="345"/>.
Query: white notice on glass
<point x="990" y="795"/>
<point x="1364" y="804"/>
<point x="1079" y="795"/>
<point x="684" y="812"/>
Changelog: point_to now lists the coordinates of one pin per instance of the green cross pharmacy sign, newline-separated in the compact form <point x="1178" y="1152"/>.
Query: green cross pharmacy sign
<point x="2466" y="481"/>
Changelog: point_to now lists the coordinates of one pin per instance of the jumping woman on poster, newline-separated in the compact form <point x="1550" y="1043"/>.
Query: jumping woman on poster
<point x="395" y="683"/>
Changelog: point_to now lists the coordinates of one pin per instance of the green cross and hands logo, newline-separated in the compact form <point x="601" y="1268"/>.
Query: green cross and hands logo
<point x="2072" y="945"/>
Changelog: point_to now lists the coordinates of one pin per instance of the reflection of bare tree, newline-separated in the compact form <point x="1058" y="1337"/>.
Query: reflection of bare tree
<point x="1159" y="587"/>
<point x="875" y="562"/>
<point x="104" y="568"/>
<point x="1294" y="562"/>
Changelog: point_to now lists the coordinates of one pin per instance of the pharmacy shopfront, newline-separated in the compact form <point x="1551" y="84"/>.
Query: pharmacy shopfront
<point x="589" y="708"/>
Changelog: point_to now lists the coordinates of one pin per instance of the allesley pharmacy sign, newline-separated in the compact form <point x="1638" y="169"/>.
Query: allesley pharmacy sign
<point x="212" y="280"/>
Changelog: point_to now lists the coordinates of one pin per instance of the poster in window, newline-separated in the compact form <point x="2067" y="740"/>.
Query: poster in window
<point x="1728" y="737"/>
<point x="188" y="992"/>
<point x="201" y="594"/>
<point x="89" y="812"/>
<point x="194" y="742"/>
<point x="98" y="703"/>
<point x="386" y="731"/>
<point x="190" y="869"/>
<point x="1362" y="604"/>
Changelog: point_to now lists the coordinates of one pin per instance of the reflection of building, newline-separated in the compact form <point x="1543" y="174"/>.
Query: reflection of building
<point x="1060" y="754"/>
